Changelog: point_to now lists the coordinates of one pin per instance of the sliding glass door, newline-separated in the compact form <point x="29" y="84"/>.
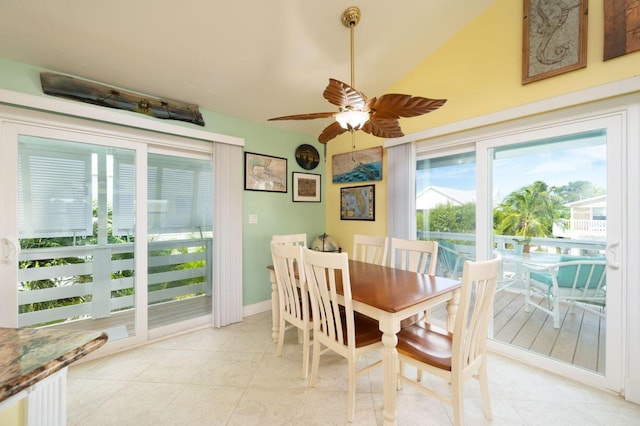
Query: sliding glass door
<point x="104" y="233"/>
<point x="556" y="223"/>
<point x="180" y="240"/>
<point x="548" y="201"/>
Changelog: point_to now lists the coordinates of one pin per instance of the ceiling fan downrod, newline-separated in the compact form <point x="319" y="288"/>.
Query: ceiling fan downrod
<point x="350" y="18"/>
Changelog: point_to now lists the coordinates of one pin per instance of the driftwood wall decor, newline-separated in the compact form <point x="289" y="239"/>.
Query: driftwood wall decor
<point x="621" y="27"/>
<point x="99" y="94"/>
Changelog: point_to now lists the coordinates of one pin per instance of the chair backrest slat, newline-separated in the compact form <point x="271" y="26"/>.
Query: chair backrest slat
<point x="290" y="279"/>
<point x="414" y="255"/>
<point x="325" y="272"/>
<point x="582" y="275"/>
<point x="479" y="281"/>
<point x="297" y="239"/>
<point x="370" y="249"/>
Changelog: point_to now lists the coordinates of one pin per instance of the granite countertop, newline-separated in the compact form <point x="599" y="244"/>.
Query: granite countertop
<point x="29" y="355"/>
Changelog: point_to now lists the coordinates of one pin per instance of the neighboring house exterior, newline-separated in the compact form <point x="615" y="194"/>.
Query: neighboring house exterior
<point x="588" y="220"/>
<point x="433" y="196"/>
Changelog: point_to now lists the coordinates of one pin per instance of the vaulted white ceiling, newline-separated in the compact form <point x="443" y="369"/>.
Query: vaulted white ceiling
<point x="252" y="59"/>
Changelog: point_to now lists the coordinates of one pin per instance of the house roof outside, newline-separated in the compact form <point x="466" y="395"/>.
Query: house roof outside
<point x="599" y="201"/>
<point x="433" y="196"/>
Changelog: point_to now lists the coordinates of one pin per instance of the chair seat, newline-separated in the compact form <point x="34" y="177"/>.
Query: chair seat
<point x="367" y="330"/>
<point x="426" y="343"/>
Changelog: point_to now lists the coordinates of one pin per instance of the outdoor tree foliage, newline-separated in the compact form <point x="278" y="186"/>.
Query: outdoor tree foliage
<point x="450" y="218"/>
<point x="33" y="243"/>
<point x="578" y="190"/>
<point x="528" y="212"/>
<point x="532" y="210"/>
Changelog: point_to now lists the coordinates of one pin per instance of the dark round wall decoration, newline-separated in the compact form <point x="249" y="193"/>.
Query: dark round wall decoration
<point x="307" y="157"/>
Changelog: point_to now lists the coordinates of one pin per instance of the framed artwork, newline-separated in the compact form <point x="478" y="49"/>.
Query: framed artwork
<point x="358" y="203"/>
<point x="264" y="173"/>
<point x="307" y="156"/>
<point x="357" y="166"/>
<point x="306" y="187"/>
<point x="621" y="24"/>
<point x="554" y="38"/>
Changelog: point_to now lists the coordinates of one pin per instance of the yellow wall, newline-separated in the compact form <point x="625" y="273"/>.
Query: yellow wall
<point x="479" y="72"/>
<point x="13" y="414"/>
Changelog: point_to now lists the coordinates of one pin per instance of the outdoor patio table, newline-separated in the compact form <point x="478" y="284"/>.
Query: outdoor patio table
<point x="518" y="260"/>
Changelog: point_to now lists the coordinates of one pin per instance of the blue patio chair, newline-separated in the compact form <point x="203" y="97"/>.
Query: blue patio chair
<point x="450" y="260"/>
<point x="573" y="279"/>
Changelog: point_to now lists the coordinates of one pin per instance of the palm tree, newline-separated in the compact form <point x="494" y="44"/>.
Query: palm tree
<point x="528" y="212"/>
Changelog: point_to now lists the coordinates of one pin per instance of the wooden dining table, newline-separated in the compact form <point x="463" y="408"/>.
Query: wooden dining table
<point x="389" y="295"/>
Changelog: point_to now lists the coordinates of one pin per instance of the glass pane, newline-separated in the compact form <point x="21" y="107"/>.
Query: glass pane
<point x="55" y="199"/>
<point x="73" y="271"/>
<point x="180" y="239"/>
<point x="446" y="208"/>
<point x="549" y="222"/>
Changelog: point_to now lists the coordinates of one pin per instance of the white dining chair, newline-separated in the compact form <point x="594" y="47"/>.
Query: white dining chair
<point x="335" y="325"/>
<point x="461" y="354"/>
<point x="417" y="256"/>
<point x="297" y="239"/>
<point x="414" y="255"/>
<point x="293" y="296"/>
<point x="370" y="249"/>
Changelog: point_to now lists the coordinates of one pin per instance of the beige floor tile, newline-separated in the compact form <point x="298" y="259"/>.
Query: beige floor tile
<point x="231" y="376"/>
<point x="201" y="405"/>
<point x="139" y="404"/>
<point x="266" y="407"/>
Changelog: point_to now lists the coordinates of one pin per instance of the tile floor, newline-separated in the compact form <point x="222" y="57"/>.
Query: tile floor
<point x="230" y="376"/>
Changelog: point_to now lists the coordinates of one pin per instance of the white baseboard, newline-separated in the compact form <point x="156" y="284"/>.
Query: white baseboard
<point x="632" y="390"/>
<point x="256" y="308"/>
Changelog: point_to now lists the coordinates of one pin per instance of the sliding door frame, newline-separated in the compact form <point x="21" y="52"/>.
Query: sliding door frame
<point x="625" y="377"/>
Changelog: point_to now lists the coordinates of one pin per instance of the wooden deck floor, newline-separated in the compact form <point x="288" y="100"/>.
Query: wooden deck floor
<point x="579" y="341"/>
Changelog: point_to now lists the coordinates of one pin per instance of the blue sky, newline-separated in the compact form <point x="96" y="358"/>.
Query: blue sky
<point x="556" y="168"/>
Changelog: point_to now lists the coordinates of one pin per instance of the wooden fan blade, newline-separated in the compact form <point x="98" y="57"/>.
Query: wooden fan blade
<point x="397" y="105"/>
<point x="343" y="95"/>
<point x="383" y="128"/>
<point x="310" y="116"/>
<point x="331" y="131"/>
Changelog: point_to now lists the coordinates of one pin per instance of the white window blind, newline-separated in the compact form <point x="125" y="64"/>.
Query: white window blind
<point x="124" y="195"/>
<point x="179" y="195"/>
<point x="54" y="187"/>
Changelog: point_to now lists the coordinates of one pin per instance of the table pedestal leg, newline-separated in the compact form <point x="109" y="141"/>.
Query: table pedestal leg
<point x="275" y="307"/>
<point x="390" y="379"/>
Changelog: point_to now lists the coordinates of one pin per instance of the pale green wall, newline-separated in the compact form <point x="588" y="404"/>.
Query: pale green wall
<point x="277" y="213"/>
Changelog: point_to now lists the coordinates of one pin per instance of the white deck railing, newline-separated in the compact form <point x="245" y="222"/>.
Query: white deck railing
<point x="503" y="242"/>
<point x="92" y="282"/>
<point x="581" y="229"/>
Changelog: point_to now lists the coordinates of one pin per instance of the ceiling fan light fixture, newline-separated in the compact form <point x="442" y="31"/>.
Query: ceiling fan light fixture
<point x="352" y="119"/>
<point x="376" y="116"/>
